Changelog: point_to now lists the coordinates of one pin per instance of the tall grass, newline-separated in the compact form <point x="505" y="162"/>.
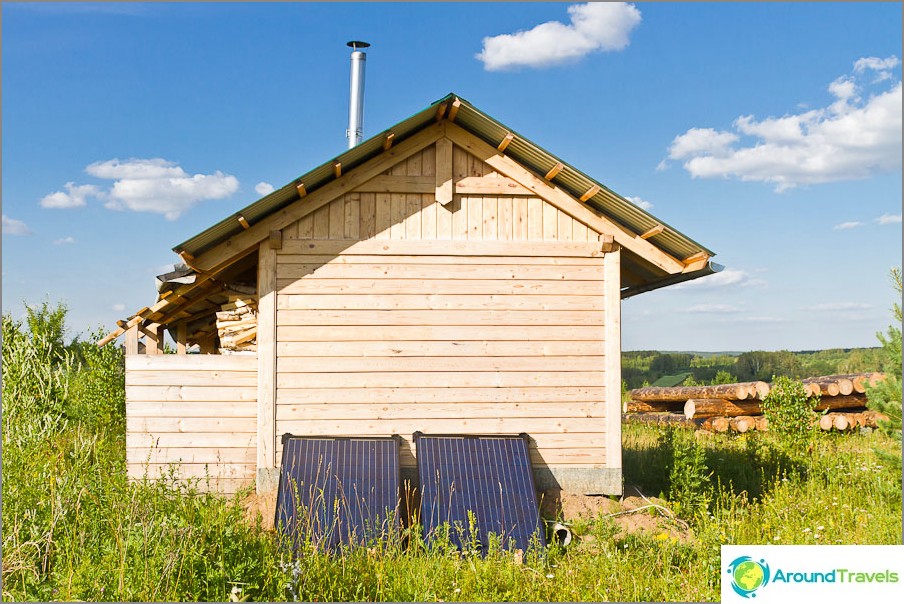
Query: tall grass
<point x="74" y="528"/>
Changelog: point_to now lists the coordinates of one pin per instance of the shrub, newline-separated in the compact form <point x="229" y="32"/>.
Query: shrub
<point x="885" y="397"/>
<point x="790" y="413"/>
<point x="689" y="489"/>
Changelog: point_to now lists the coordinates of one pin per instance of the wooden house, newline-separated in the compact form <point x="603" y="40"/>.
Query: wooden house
<point x="445" y="276"/>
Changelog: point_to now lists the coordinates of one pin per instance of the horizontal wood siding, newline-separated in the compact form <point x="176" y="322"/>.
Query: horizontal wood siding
<point x="194" y="414"/>
<point x="484" y="336"/>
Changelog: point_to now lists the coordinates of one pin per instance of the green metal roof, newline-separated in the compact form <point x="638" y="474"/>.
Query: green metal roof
<point x="521" y="149"/>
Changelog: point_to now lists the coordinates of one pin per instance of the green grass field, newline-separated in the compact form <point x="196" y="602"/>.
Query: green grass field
<point x="75" y="529"/>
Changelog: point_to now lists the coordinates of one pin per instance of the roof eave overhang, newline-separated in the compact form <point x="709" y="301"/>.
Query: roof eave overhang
<point x="709" y="268"/>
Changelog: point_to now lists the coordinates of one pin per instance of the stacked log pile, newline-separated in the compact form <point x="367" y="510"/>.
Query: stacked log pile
<point x="237" y="325"/>
<point x="738" y="407"/>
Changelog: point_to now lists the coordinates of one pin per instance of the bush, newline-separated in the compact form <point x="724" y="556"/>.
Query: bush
<point x="790" y="413"/>
<point x="689" y="489"/>
<point x="885" y="397"/>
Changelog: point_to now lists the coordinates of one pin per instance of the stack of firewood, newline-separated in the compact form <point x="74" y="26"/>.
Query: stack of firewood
<point x="237" y="325"/>
<point x="738" y="407"/>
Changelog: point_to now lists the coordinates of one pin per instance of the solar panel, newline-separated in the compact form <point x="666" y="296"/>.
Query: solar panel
<point x="338" y="491"/>
<point x="490" y="477"/>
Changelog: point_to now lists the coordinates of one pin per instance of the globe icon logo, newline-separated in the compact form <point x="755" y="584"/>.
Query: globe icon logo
<point x="748" y="575"/>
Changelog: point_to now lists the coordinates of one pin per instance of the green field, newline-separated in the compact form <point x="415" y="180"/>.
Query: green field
<point x="75" y="529"/>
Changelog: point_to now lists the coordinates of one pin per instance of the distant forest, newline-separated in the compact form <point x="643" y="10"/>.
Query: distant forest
<point x="643" y="367"/>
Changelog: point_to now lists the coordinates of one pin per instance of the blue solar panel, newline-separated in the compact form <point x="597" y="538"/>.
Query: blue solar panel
<point x="338" y="490"/>
<point x="490" y="476"/>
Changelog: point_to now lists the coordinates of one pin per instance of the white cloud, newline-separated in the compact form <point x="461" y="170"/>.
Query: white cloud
<point x="835" y="306"/>
<point x="851" y="138"/>
<point x="729" y="277"/>
<point x="263" y="188"/>
<point x="64" y="241"/>
<point x="640" y="203"/>
<point x="75" y="196"/>
<point x="594" y="27"/>
<point x="118" y="307"/>
<point x="11" y="226"/>
<point x="882" y="67"/>
<point x="713" y="309"/>
<point x="889" y="219"/>
<point x="159" y="186"/>
<point x="844" y="226"/>
<point x="698" y="141"/>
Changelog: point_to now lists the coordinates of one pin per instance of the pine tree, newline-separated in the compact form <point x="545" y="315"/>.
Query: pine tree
<point x="885" y="397"/>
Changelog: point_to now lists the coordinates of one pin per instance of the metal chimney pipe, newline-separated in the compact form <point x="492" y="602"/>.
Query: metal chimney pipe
<point x="355" y="130"/>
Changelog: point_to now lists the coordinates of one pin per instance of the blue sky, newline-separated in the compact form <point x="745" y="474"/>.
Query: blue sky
<point x="769" y="132"/>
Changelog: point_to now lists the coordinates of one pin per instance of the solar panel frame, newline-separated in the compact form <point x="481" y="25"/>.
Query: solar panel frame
<point x="486" y="463"/>
<point x="349" y="497"/>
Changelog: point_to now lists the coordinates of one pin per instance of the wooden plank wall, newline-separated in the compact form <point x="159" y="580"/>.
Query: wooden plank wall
<point x="399" y="341"/>
<point x="197" y="411"/>
<point x="382" y="329"/>
<point x="365" y="215"/>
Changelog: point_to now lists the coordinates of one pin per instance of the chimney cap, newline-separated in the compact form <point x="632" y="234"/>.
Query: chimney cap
<point x="356" y="44"/>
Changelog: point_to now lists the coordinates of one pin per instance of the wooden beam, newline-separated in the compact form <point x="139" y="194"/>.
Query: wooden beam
<point x="301" y="190"/>
<point x="243" y="222"/>
<point x="441" y="111"/>
<point x="653" y="232"/>
<point x="607" y="243"/>
<point x="223" y="254"/>
<point x="554" y="171"/>
<point x="110" y="337"/>
<point x="590" y="193"/>
<point x="562" y="200"/>
<point x="186" y="258"/>
<point x="696" y="257"/>
<point x="509" y="137"/>
<point x="695" y="262"/>
<point x="266" y="359"/>
<point x="490" y="185"/>
<point x="275" y="240"/>
<point x="387" y="140"/>
<point x="337" y="169"/>
<point x="453" y="110"/>
<point x="443" y="179"/>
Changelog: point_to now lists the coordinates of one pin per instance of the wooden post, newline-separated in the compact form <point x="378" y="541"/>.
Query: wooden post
<point x="181" y="338"/>
<point x="132" y="340"/>
<point x="266" y="370"/>
<point x="612" y="360"/>
<point x="153" y="339"/>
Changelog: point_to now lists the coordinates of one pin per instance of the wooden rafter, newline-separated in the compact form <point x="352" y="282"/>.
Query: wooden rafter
<point x="554" y="171"/>
<point x="453" y="110"/>
<point x="590" y="192"/>
<point x="441" y="111"/>
<point x="509" y="137"/>
<point x="653" y="232"/>
<point x="243" y="222"/>
<point x="337" y="169"/>
<point x="301" y="190"/>
<point x="387" y="140"/>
